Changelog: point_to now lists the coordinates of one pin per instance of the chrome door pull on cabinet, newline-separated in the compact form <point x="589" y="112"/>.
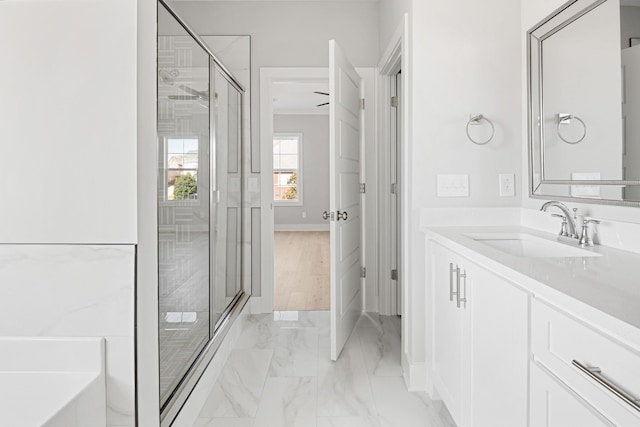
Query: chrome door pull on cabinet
<point x="595" y="373"/>
<point x="325" y="215"/>
<point x="452" y="271"/>
<point x="460" y="299"/>
<point x="342" y="216"/>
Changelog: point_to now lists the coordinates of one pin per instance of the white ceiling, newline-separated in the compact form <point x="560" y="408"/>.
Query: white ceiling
<point x="299" y="98"/>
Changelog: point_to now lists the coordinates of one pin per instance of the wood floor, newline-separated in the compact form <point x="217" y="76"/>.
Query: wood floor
<point x="301" y="270"/>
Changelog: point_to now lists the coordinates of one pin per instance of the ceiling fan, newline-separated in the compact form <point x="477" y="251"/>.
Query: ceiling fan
<point x="322" y="93"/>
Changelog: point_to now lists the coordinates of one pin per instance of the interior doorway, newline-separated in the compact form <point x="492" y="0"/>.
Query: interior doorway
<point x="300" y="124"/>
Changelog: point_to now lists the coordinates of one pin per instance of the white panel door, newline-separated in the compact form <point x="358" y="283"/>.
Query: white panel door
<point x="344" y="158"/>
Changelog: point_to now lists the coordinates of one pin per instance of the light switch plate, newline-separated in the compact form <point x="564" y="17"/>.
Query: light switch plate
<point x="453" y="186"/>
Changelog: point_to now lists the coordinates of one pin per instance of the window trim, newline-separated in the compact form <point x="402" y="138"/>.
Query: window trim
<point x="299" y="201"/>
<point x="165" y="201"/>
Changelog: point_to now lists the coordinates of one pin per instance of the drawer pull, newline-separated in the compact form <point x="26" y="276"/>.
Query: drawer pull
<point x="451" y="272"/>
<point x="460" y="298"/>
<point x="596" y="374"/>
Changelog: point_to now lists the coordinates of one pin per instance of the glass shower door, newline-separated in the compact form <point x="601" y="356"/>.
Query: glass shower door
<point x="200" y="207"/>
<point x="226" y="218"/>
<point x="184" y="202"/>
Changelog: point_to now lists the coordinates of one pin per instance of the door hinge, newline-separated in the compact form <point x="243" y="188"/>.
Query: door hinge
<point x="394" y="274"/>
<point x="363" y="271"/>
<point x="363" y="188"/>
<point x="394" y="101"/>
<point x="394" y="188"/>
<point x="362" y="103"/>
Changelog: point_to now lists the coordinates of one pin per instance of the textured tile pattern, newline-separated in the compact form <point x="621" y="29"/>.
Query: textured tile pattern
<point x="280" y="375"/>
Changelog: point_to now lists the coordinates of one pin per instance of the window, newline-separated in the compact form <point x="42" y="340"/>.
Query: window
<point x="182" y="169"/>
<point x="287" y="169"/>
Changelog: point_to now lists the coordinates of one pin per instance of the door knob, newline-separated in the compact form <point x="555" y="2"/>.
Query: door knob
<point x="342" y="216"/>
<point x="325" y="215"/>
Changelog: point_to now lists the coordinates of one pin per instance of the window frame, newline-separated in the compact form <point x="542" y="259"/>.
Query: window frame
<point x="299" y="171"/>
<point x="165" y="201"/>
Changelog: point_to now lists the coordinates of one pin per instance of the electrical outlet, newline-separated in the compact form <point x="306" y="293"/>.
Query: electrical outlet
<point x="304" y="214"/>
<point x="507" y="184"/>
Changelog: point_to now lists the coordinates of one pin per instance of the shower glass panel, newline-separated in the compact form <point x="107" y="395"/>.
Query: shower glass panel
<point x="183" y="203"/>
<point x="200" y="207"/>
<point x="227" y="215"/>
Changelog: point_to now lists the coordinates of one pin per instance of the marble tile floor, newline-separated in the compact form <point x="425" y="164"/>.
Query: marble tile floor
<point x="280" y="375"/>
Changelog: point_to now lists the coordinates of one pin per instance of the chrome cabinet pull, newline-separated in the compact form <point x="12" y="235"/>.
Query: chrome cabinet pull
<point x="462" y="299"/>
<point x="342" y="216"/>
<point x="325" y="215"/>
<point x="451" y="272"/>
<point x="596" y="374"/>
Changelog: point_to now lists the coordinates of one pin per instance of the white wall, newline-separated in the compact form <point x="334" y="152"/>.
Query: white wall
<point x="315" y="169"/>
<point x="390" y="13"/>
<point x="68" y="225"/>
<point x="147" y="350"/>
<point x="68" y="124"/>
<point x="465" y="59"/>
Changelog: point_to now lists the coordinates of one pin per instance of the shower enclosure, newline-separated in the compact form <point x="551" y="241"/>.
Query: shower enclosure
<point x="200" y="206"/>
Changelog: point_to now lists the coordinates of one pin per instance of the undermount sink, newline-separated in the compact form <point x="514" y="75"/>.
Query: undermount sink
<point x="529" y="246"/>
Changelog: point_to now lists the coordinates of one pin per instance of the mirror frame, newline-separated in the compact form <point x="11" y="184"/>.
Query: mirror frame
<point x="564" y="15"/>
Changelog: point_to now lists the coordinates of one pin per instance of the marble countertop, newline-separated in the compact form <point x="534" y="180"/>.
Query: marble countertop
<point x="609" y="283"/>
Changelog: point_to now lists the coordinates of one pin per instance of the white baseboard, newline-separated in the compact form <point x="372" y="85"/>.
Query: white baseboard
<point x="415" y="374"/>
<point x="301" y="227"/>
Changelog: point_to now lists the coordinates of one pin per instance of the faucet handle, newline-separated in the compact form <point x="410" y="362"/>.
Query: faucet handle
<point x="585" y="238"/>
<point x="563" y="230"/>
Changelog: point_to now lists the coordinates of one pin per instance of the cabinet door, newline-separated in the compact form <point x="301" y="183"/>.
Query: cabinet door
<point x="555" y="405"/>
<point x="497" y="314"/>
<point x="447" y="330"/>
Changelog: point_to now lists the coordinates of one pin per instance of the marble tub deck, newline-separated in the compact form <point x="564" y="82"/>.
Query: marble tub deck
<point x="280" y="375"/>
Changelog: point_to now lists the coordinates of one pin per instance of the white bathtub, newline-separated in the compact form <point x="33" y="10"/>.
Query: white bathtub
<point x="52" y="382"/>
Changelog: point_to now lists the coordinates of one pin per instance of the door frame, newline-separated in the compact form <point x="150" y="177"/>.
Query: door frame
<point x="268" y="76"/>
<point x="263" y="302"/>
<point x="393" y="60"/>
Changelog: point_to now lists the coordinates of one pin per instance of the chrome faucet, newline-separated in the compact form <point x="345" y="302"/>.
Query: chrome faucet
<point x="571" y="220"/>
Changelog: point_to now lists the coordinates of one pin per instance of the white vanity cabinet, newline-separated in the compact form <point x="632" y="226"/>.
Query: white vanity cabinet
<point x="599" y="369"/>
<point x="553" y="404"/>
<point x="480" y="341"/>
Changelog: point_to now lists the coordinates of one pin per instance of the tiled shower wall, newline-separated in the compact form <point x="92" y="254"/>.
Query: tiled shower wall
<point x="76" y="291"/>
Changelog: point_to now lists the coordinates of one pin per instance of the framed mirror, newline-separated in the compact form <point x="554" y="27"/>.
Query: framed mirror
<point x="584" y="103"/>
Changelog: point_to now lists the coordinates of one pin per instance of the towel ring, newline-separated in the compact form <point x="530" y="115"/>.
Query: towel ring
<point x="476" y="118"/>
<point x="565" y="118"/>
